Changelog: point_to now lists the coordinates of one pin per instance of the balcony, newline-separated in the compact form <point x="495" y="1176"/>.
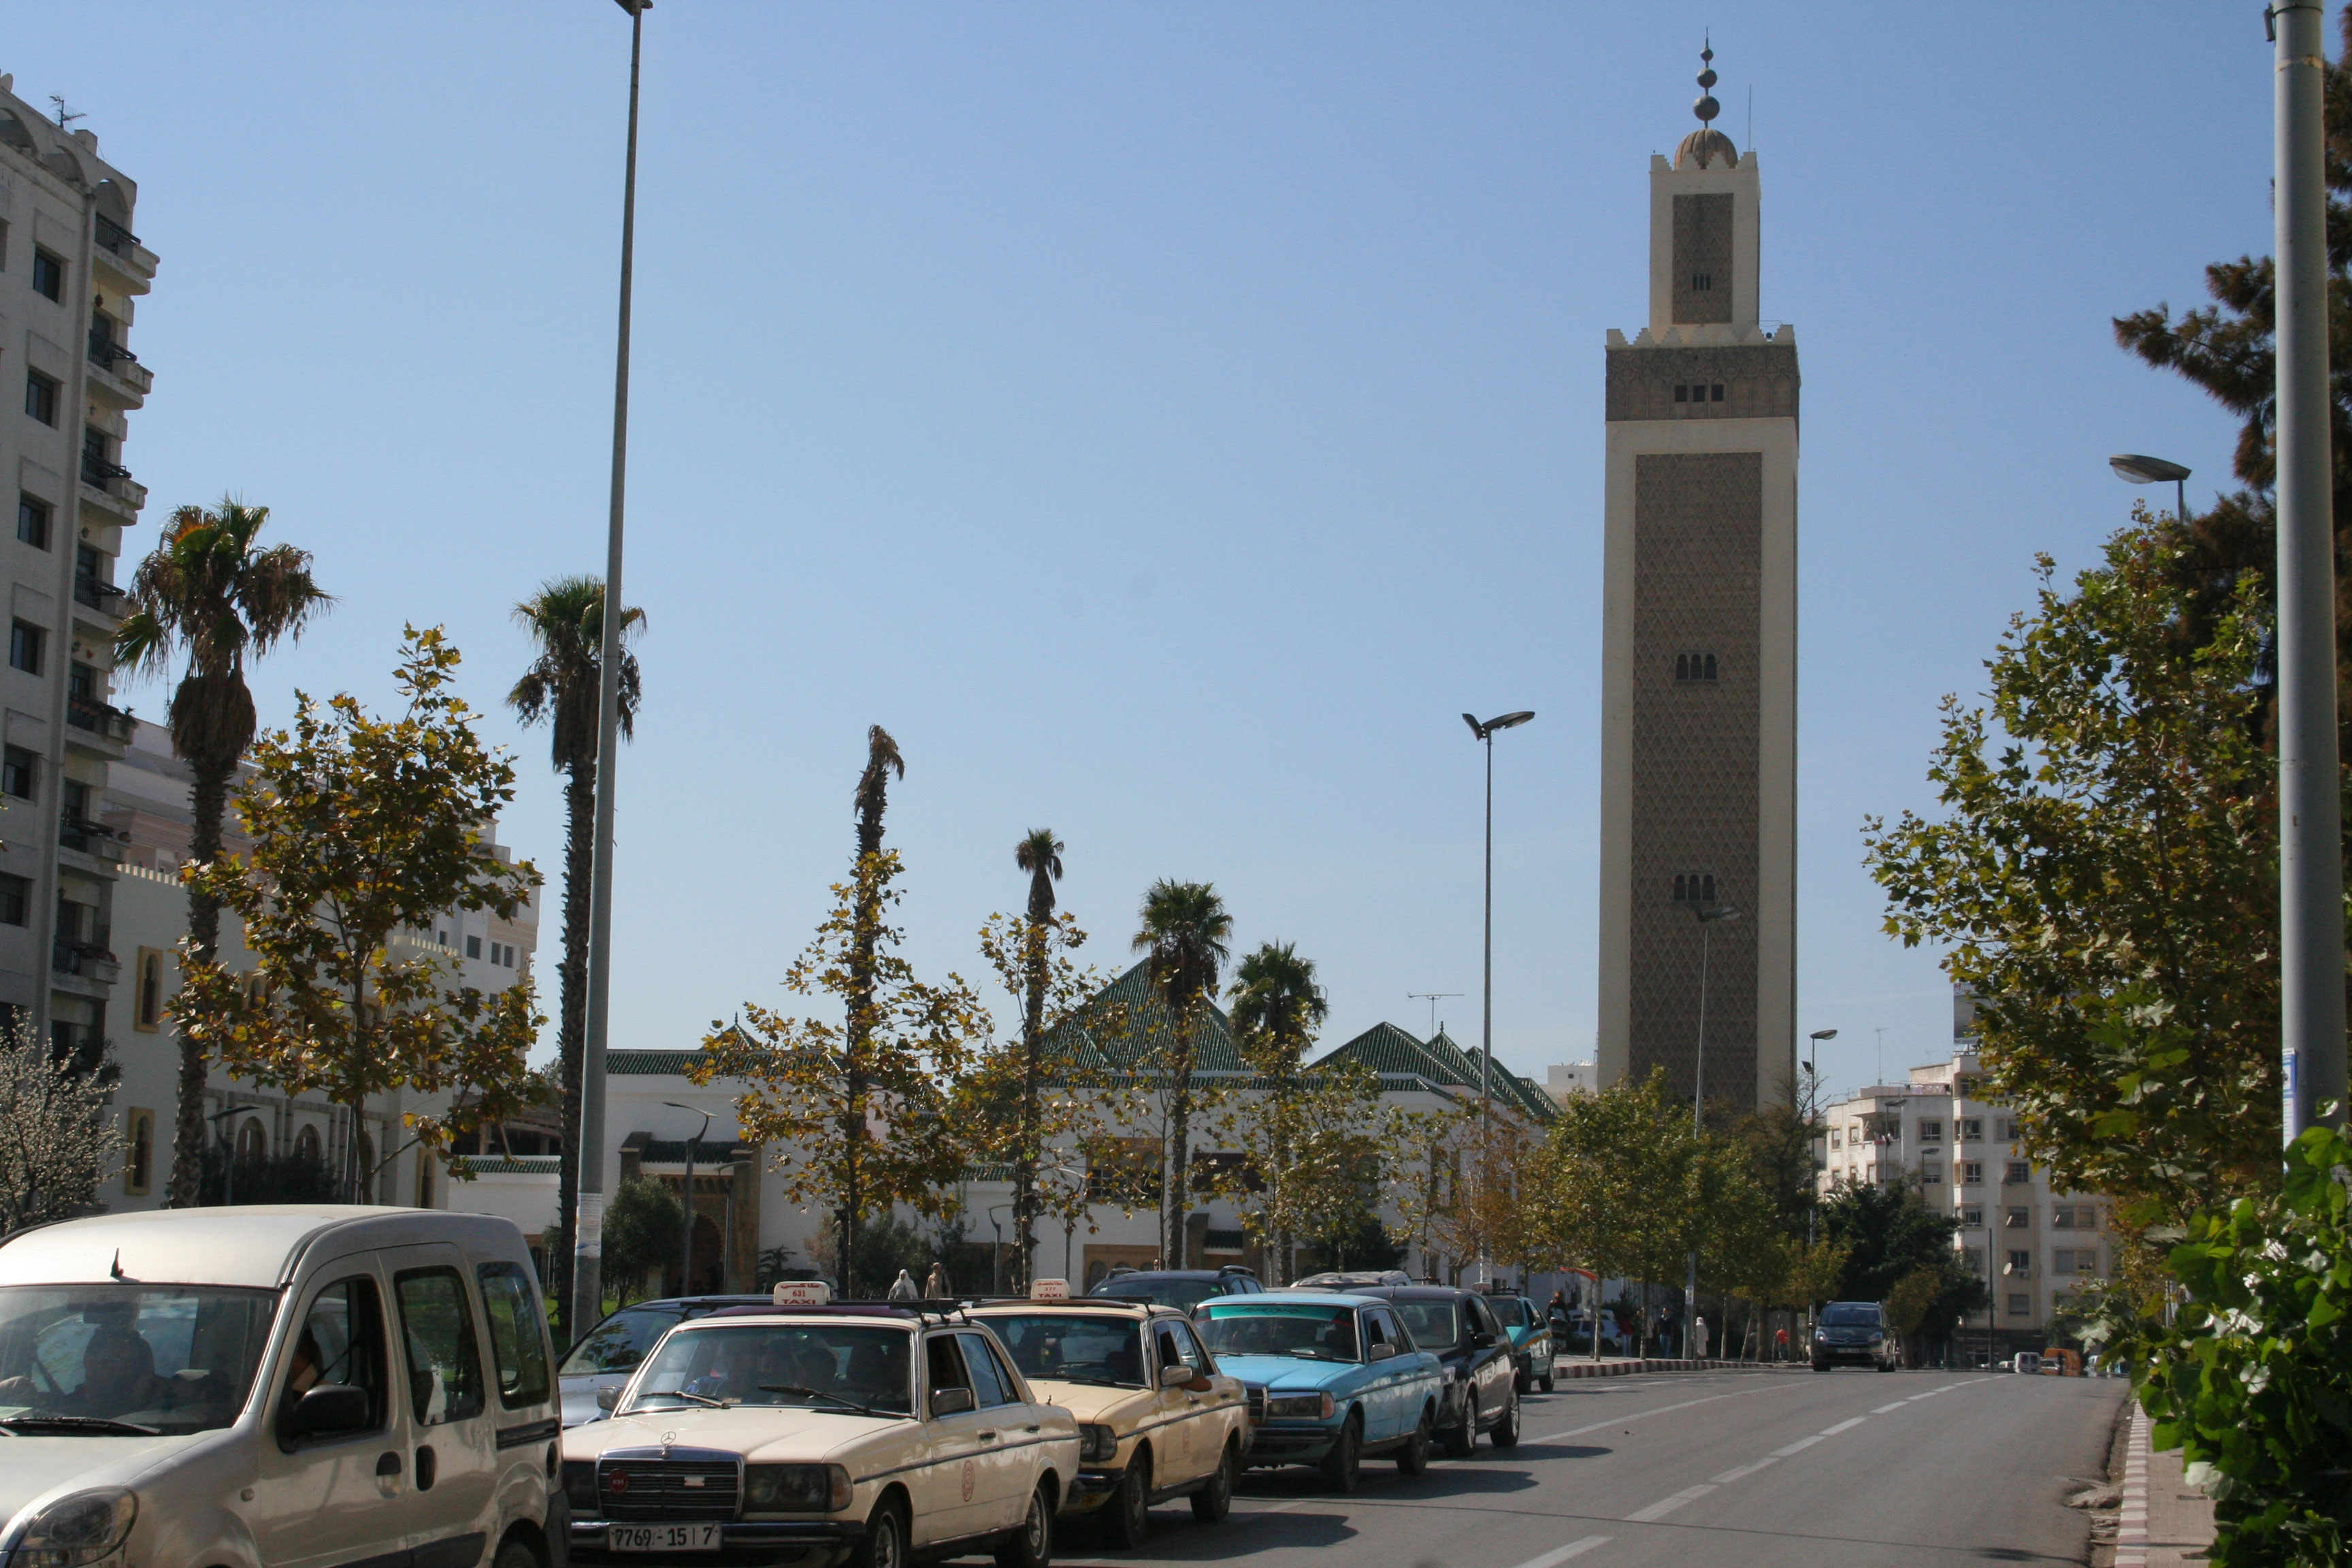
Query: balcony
<point x="108" y="600"/>
<point x="84" y="961"/>
<point x="93" y="838"/>
<point x="110" y="489"/>
<point x="116" y="371"/>
<point x="119" y="249"/>
<point x="108" y="723"/>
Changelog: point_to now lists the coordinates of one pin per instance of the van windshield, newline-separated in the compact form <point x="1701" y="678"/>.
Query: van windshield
<point x="120" y="1359"/>
<point x="1850" y="1316"/>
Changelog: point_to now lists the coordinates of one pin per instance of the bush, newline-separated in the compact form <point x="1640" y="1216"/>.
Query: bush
<point x="2252" y="1379"/>
<point x="642" y="1230"/>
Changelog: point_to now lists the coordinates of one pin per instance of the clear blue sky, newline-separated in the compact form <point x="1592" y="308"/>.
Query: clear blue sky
<point x="1166" y="420"/>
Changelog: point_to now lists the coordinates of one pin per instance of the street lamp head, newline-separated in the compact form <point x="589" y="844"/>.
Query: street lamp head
<point x="1476" y="729"/>
<point x="2134" y="469"/>
<point x="1721" y="912"/>
<point x="1825" y="1034"/>
<point x="1510" y="721"/>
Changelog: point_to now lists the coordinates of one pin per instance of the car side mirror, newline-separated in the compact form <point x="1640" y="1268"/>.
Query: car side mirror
<point x="1381" y="1352"/>
<point x="1176" y="1376"/>
<point x="327" y="1410"/>
<point x="1482" y="1338"/>
<point x="608" y="1398"/>
<point x="952" y="1400"/>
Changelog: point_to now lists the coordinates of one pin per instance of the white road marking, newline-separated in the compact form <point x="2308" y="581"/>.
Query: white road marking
<point x="1799" y="1446"/>
<point x="1885" y="1408"/>
<point x="1562" y="1553"/>
<point x="1666" y="1505"/>
<point x="1843" y="1427"/>
<point x="1661" y="1410"/>
<point x="1743" y="1471"/>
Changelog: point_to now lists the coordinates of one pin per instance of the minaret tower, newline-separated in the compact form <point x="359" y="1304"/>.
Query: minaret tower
<point x="1698" y="796"/>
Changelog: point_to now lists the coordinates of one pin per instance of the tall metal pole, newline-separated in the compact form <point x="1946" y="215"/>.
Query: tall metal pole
<point x="1486" y="1025"/>
<point x="2311" y="869"/>
<point x="588" y="1220"/>
<point x="1698" y="1126"/>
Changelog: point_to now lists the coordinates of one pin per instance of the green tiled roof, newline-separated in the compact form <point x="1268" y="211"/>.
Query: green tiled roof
<point x="520" y="1166"/>
<point x="1148" y="1031"/>
<point x="648" y="1064"/>
<point x="1387" y="1050"/>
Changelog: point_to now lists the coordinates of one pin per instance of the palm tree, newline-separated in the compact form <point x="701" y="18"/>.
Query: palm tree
<point x="566" y="622"/>
<point x="873" y="798"/>
<point x="1185" y="928"/>
<point x="1278" y="1007"/>
<point x="1040" y="855"/>
<point x="207" y="594"/>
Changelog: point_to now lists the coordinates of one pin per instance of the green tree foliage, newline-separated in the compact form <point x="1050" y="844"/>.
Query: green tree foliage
<point x="1887" y="1237"/>
<point x="362" y="828"/>
<point x="2249" y="1378"/>
<point x="2104" y="877"/>
<point x="1298" y="1133"/>
<point x="562" y="689"/>
<point x="1182" y="930"/>
<point x="1039" y="852"/>
<point x="210" y="596"/>
<point x="56" y="1143"/>
<point x="644" y="1228"/>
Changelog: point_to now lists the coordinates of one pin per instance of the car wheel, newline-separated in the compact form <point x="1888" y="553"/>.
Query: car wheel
<point x="1345" y="1463"/>
<point x="1457" y="1441"/>
<point x="515" y="1554"/>
<point x="1031" y="1545"/>
<point x="1524" y="1381"/>
<point x="1821" y="1366"/>
<point x="1506" y="1434"/>
<point x="1129" y="1519"/>
<point x="1215" y="1500"/>
<point x="1545" y="1382"/>
<point x="1412" y="1459"/>
<point x="884" y="1545"/>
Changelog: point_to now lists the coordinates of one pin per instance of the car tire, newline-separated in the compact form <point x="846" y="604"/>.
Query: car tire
<point x="884" y="1545"/>
<point x="1545" y="1382"/>
<point x="1506" y="1434"/>
<point x="1031" y="1545"/>
<point x="516" y="1553"/>
<point x="1128" y="1519"/>
<point x="1523" y="1381"/>
<point x="1344" y="1465"/>
<point x="1412" y="1459"/>
<point x="1457" y="1441"/>
<point x="1215" y="1501"/>
<point x="1821" y="1366"/>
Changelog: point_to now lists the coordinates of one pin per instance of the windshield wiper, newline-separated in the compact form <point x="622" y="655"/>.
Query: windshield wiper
<point x="1306" y="1353"/>
<point x="1097" y="1382"/>
<point x="682" y="1394"/>
<point x="80" y="1424"/>
<point x="819" y="1394"/>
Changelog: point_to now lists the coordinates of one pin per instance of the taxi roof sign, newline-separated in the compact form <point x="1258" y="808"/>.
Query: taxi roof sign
<point x="802" y="1293"/>
<point x="1049" y="1290"/>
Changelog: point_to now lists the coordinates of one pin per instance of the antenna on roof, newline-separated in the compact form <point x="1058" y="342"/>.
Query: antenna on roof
<point x="1432" y="998"/>
<point x="65" y="116"/>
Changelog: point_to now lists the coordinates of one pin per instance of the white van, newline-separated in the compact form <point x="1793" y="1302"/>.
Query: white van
<point x="297" y="1386"/>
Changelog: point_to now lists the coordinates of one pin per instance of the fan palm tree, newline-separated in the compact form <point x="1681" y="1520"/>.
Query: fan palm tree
<point x="1278" y="1007"/>
<point x="1182" y="934"/>
<point x="207" y="595"/>
<point x="873" y="798"/>
<point x="562" y="689"/>
<point x="1040" y="855"/>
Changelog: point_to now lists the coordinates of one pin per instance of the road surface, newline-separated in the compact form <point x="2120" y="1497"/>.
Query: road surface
<point x="1761" y="1469"/>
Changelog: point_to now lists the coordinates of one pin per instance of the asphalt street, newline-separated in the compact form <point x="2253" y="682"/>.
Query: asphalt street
<point x="1762" y="1469"/>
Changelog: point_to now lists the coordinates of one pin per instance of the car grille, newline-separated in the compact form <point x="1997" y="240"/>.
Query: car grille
<point x="1256" y="1395"/>
<point x="656" y="1487"/>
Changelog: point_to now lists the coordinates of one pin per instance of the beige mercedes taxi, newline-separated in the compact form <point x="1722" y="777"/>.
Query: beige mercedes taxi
<point x="809" y="1433"/>
<point x="1158" y="1420"/>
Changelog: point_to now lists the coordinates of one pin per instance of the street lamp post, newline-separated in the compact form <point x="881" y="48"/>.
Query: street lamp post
<point x="1485" y="732"/>
<point x="1814" y="1191"/>
<point x="1708" y="921"/>
<point x="228" y="1141"/>
<point x="686" y="1196"/>
<point x="588" y="1216"/>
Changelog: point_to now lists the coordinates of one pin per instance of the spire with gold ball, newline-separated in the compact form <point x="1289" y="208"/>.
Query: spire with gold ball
<point x="1706" y="144"/>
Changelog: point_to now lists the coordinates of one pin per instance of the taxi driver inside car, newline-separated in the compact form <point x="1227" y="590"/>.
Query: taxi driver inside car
<point x="1158" y="1417"/>
<point x="806" y="1432"/>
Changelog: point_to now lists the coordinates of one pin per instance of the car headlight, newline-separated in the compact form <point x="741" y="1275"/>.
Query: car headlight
<point x="1877" y="1338"/>
<point x="580" y="1487"/>
<point x="76" y="1530"/>
<point x="1295" y="1406"/>
<point x="795" y="1489"/>
<point x="1097" y="1445"/>
<point x="1821" y="1334"/>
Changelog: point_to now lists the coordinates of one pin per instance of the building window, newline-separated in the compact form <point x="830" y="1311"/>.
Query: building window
<point x="1694" y="667"/>
<point x="1971" y="1130"/>
<point x="1698" y="392"/>
<point x="305" y="1146"/>
<point x="2062" y="1218"/>
<point x="139" y="1152"/>
<point x="1835" y="1142"/>
<point x="1695" y="888"/>
<point x="2017" y="1174"/>
<point x="473" y="947"/>
<point x="2020" y="1305"/>
<point x="1931" y="1132"/>
<point x="48" y="275"/>
<point x="2005" y="1130"/>
<point x="1700" y="283"/>
<point x="17" y="773"/>
<point x="149" y="1013"/>
<point x="15" y="896"/>
<point x="1973" y="1214"/>
<point x="2019" y="1263"/>
<point x="252" y="1142"/>
<point x="25" y="647"/>
<point x="1972" y="1260"/>
<point x="1971" y="1174"/>
<point x="1931" y="1175"/>
<point x="33" y="520"/>
<point x="2018" y="1219"/>
<point x="41" y="396"/>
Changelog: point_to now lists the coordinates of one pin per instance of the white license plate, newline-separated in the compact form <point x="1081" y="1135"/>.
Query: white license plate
<point x="663" y="1537"/>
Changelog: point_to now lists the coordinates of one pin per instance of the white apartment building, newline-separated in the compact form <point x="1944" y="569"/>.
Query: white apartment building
<point x="2043" y="1243"/>
<point x="71" y="271"/>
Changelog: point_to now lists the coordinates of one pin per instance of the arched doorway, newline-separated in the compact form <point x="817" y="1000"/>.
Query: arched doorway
<point x="709" y="1256"/>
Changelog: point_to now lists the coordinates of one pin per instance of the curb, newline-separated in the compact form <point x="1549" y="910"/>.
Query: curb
<point x="2131" y="1519"/>
<point x="1652" y="1363"/>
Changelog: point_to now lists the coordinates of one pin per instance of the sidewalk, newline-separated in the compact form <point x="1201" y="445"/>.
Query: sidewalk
<point x="2163" y="1523"/>
<point x="1620" y="1366"/>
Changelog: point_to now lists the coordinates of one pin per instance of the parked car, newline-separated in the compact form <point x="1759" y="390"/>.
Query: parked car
<point x="1571" y="1333"/>
<point x="1157" y="1417"/>
<point x="1358" y="1279"/>
<point x="1331" y="1378"/>
<point x="815" y="1434"/>
<point x="1183" y="1289"/>
<point x="1530" y="1332"/>
<point x="1854" y="1331"/>
<point x="606" y="1354"/>
<point x="1481" y="1377"/>
<point x="278" y="1386"/>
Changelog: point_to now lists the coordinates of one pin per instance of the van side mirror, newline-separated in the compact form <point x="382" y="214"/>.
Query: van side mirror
<point x="1381" y="1352"/>
<point x="952" y="1400"/>
<point x="1176" y="1376"/>
<point x="1482" y="1338"/>
<point x="327" y="1410"/>
<point x="608" y="1398"/>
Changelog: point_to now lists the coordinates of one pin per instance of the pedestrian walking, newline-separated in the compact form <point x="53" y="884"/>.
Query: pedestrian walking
<point x="1780" y="1343"/>
<point x="902" y="1288"/>
<point x="936" y="1287"/>
<point x="1699" y="1339"/>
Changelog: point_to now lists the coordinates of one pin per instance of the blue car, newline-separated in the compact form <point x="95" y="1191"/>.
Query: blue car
<point x="1331" y="1379"/>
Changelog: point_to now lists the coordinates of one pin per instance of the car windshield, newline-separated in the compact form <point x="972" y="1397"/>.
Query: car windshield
<point x="123" y="1358"/>
<point x="1510" y="1309"/>
<point x="830" y="1365"/>
<point x="1186" y="1294"/>
<point x="1260" y="1327"/>
<point x="621" y="1341"/>
<point x="1073" y="1347"/>
<point x="1863" y="1317"/>
<point x="1435" y="1325"/>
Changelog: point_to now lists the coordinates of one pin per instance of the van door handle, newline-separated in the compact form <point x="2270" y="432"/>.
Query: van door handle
<point x="984" y="1436"/>
<point x="388" y="1464"/>
<point x="1030" y="1429"/>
